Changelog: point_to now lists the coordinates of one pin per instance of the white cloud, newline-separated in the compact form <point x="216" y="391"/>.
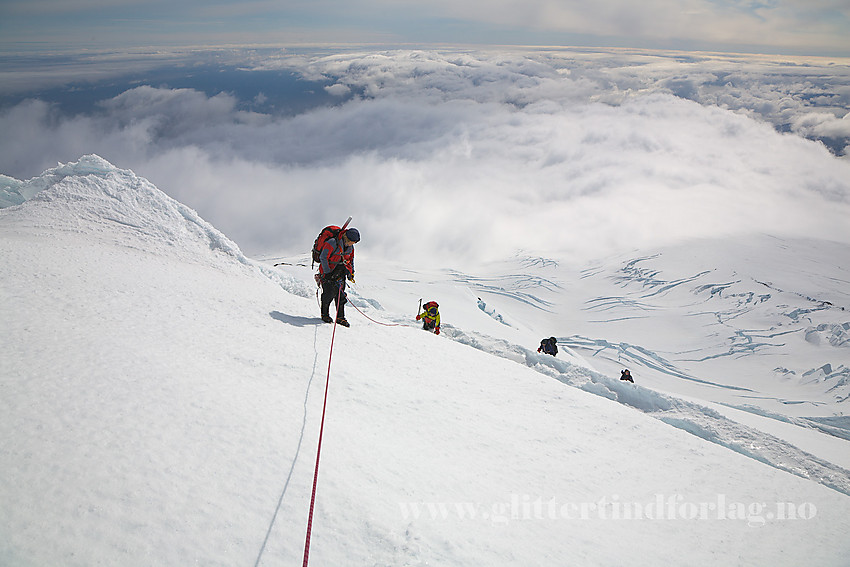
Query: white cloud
<point x="822" y="124"/>
<point x="338" y="90"/>
<point x="453" y="157"/>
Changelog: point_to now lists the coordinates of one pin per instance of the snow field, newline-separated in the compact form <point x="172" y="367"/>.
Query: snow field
<point x="161" y="404"/>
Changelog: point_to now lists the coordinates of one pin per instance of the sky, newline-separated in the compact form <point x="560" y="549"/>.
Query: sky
<point x="790" y="27"/>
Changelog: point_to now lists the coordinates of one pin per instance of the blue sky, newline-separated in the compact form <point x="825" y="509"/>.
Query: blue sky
<point x="794" y="27"/>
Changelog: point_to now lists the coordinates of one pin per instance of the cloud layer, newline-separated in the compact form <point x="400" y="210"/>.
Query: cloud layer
<point x="449" y="157"/>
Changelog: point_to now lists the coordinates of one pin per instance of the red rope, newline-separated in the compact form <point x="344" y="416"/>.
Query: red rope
<point x="322" y="427"/>
<point x="378" y="322"/>
<point x="319" y="449"/>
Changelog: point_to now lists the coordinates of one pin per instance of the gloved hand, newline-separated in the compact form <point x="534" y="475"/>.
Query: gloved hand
<point x="437" y="331"/>
<point x="418" y="317"/>
<point x="351" y="278"/>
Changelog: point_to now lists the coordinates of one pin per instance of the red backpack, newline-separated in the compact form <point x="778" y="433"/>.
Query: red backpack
<point x="331" y="231"/>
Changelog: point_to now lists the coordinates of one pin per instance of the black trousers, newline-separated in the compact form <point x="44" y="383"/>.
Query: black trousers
<point x="334" y="291"/>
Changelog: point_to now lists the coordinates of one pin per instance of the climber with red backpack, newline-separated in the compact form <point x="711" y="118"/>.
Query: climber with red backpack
<point x="430" y="317"/>
<point x="333" y="250"/>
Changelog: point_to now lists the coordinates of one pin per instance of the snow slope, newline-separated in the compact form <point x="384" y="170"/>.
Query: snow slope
<point x="162" y="394"/>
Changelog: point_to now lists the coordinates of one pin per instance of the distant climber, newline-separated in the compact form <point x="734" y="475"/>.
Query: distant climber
<point x="334" y="249"/>
<point x="430" y="317"/>
<point x="626" y="376"/>
<point x="549" y="346"/>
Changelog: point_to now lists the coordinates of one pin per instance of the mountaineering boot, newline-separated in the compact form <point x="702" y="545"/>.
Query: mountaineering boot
<point x="327" y="318"/>
<point x="340" y="316"/>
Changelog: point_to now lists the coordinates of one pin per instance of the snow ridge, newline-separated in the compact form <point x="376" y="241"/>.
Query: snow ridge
<point x="688" y="416"/>
<point x="691" y="417"/>
<point x="90" y="194"/>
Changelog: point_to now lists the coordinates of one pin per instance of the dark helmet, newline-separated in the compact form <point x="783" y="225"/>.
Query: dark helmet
<point x="553" y="339"/>
<point x="353" y="234"/>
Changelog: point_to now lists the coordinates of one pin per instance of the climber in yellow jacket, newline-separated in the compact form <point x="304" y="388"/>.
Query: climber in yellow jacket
<point x="430" y="317"/>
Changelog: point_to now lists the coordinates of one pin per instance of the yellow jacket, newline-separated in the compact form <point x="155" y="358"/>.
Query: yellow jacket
<point x="430" y="314"/>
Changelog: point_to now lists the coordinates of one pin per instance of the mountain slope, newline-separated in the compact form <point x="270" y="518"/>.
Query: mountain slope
<point x="162" y="396"/>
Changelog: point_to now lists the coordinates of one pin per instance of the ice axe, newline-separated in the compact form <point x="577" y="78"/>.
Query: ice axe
<point x="419" y="309"/>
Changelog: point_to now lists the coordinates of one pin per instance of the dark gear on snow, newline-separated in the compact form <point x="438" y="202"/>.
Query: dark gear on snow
<point x="549" y="346"/>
